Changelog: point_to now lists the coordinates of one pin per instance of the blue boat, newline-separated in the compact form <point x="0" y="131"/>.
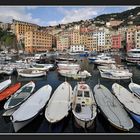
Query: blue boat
<point x="92" y="59"/>
<point x="136" y="117"/>
<point x="84" y="54"/>
<point x="129" y="101"/>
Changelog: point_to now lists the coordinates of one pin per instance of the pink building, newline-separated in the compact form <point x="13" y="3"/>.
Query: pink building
<point x="116" y="41"/>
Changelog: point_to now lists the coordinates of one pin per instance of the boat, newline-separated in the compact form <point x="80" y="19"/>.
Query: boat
<point x="59" y="59"/>
<point x="133" y="56"/>
<point x="68" y="66"/>
<point x="135" y="89"/>
<point x="42" y="67"/>
<point x="115" y="74"/>
<point x="84" y="54"/>
<point x="31" y="73"/>
<point x="31" y="107"/>
<point x="84" y="107"/>
<point x="112" y="109"/>
<point x="104" y="61"/>
<point x="5" y="84"/>
<point x="59" y="104"/>
<point x="20" y="96"/>
<point x="76" y="74"/>
<point x="129" y="100"/>
<point x="6" y="69"/>
<point x="93" y="58"/>
<point x="112" y="67"/>
<point x="9" y="91"/>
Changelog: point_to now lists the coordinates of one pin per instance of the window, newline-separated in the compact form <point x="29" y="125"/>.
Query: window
<point x="79" y="94"/>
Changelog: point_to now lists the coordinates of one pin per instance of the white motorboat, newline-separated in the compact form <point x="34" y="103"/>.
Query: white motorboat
<point x="74" y="73"/>
<point x="84" y="106"/>
<point x="8" y="70"/>
<point x="31" y="107"/>
<point x="59" y="104"/>
<point x="115" y="74"/>
<point x="104" y="61"/>
<point x="31" y="73"/>
<point x="68" y="66"/>
<point x="19" y="96"/>
<point x="130" y="102"/>
<point x="112" y="67"/>
<point x="112" y="109"/>
<point x="133" y="55"/>
<point x="43" y="67"/>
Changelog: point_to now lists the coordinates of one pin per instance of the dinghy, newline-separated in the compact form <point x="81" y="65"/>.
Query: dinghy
<point x="31" y="73"/>
<point x="135" y="88"/>
<point x="9" y="91"/>
<point x="84" y="106"/>
<point x="42" y="67"/>
<point x="59" y="104"/>
<point x="68" y="66"/>
<point x="130" y="102"/>
<point x="116" y="74"/>
<point x="74" y="73"/>
<point x="5" y="84"/>
<point x="31" y="107"/>
<point x="112" y="109"/>
<point x="20" y="96"/>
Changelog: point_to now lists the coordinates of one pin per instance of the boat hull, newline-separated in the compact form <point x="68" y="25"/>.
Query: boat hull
<point x="84" y="124"/>
<point x="135" y="116"/>
<point x="75" y="76"/>
<point x="32" y="75"/>
<point x="9" y="91"/>
<point x="19" y="125"/>
<point x="108" y="75"/>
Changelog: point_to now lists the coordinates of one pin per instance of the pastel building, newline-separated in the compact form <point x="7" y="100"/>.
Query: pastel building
<point x="21" y="27"/>
<point x="130" y="38"/>
<point x="99" y="38"/>
<point x="62" y="43"/>
<point x="137" y="38"/>
<point x="77" y="48"/>
<point x="116" y="42"/>
<point x="37" y="41"/>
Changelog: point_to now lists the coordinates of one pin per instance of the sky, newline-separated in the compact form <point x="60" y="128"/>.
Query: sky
<point x="54" y="15"/>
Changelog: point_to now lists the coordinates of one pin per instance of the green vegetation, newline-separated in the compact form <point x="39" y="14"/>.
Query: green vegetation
<point x="7" y="39"/>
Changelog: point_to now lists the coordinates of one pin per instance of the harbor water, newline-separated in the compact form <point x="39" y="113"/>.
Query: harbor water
<point x="67" y="125"/>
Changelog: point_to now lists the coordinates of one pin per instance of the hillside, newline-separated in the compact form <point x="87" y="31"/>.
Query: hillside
<point x="128" y="17"/>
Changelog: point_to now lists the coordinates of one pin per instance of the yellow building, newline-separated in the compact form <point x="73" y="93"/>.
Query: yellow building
<point x="91" y="42"/>
<point x="75" y="37"/>
<point x="107" y="42"/>
<point x="37" y="41"/>
<point x="20" y="28"/>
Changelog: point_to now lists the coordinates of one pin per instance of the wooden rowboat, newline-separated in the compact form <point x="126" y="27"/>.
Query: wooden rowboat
<point x="9" y="91"/>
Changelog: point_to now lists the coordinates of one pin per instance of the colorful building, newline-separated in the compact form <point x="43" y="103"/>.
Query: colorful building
<point x="116" y="42"/>
<point x="130" y="38"/>
<point x="37" y="41"/>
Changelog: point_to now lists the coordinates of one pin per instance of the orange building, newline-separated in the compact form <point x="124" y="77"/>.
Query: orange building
<point x="20" y="28"/>
<point x="37" y="41"/>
